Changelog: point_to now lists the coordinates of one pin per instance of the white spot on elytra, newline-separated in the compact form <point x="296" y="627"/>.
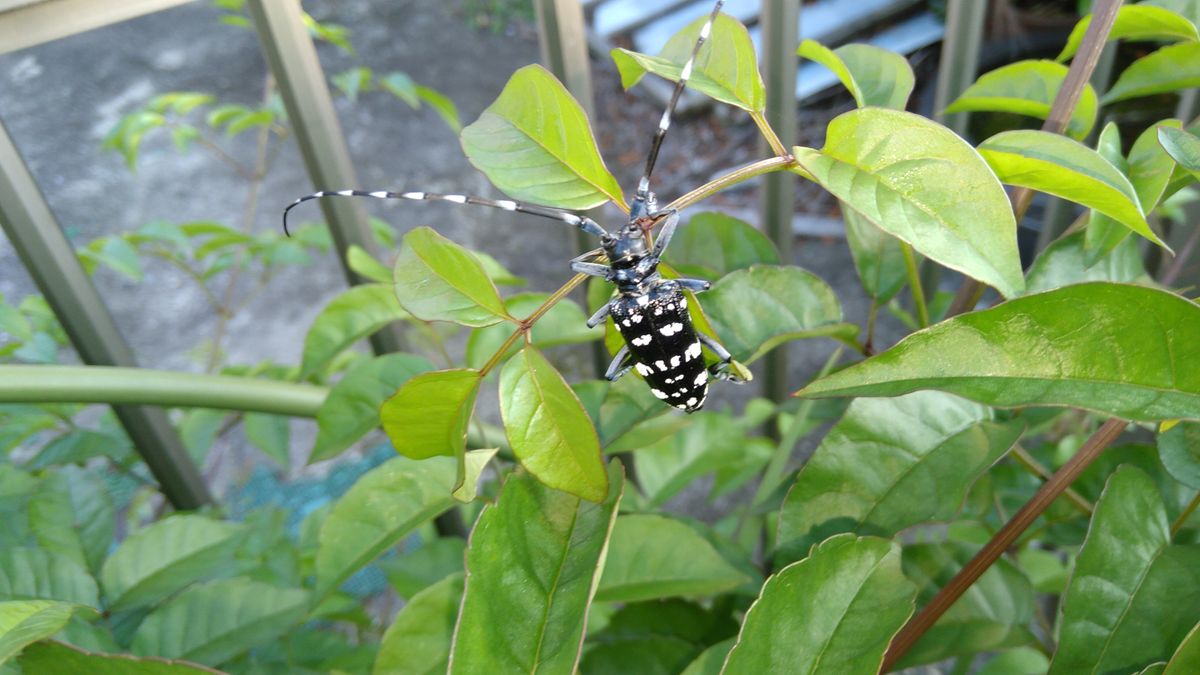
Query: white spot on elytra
<point x="643" y="368"/>
<point x="662" y="366"/>
<point x="693" y="351"/>
<point x="641" y="340"/>
<point x="642" y="300"/>
<point x="701" y="379"/>
<point x="675" y="360"/>
<point x="626" y="323"/>
<point x="637" y="318"/>
<point x="658" y="311"/>
<point x="671" y="307"/>
<point x="671" y="329"/>
<point x="413" y="195"/>
<point x="691" y="402"/>
<point x="658" y="393"/>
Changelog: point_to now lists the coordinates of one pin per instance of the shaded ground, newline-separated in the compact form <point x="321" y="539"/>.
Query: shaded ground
<point x="60" y="99"/>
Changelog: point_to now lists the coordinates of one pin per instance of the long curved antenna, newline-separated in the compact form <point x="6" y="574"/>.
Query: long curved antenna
<point x="582" y="222"/>
<point x="643" y="188"/>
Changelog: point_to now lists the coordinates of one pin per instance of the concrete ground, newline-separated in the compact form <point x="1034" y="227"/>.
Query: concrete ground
<point x="59" y="100"/>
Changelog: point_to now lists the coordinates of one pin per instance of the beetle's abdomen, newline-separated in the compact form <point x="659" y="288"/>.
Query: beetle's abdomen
<point x="658" y="330"/>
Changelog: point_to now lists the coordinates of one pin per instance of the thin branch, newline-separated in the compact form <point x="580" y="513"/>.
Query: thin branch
<point x="1035" y="467"/>
<point x="1187" y="513"/>
<point x="526" y="324"/>
<point x="1181" y="258"/>
<point x="914" y="284"/>
<point x="732" y="178"/>
<point x="768" y="133"/>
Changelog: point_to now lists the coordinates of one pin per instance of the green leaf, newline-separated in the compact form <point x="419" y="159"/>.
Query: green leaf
<point x="1104" y="234"/>
<point x="1065" y="262"/>
<point x="1189" y="9"/>
<point x="34" y="574"/>
<point x="442" y="105"/>
<point x="381" y="507"/>
<point x="1168" y="69"/>
<point x="352" y="407"/>
<point x="28" y="621"/>
<point x="92" y="513"/>
<point x="1149" y="165"/>
<point x="348" y="318"/>
<point x="874" y="76"/>
<point x="77" y="446"/>
<point x="1057" y="165"/>
<point x="726" y="68"/>
<point x="713" y="244"/>
<point x="564" y="323"/>
<point x="1055" y="348"/>
<point x="418" y="641"/>
<point x="757" y="309"/>
<point x="711" y="660"/>
<point x="878" y="256"/>
<point x="1182" y="146"/>
<point x="1127" y="577"/>
<point x="1187" y="657"/>
<point x="1138" y="23"/>
<point x="414" y="571"/>
<point x="165" y="557"/>
<point x="1028" y="88"/>
<point x="908" y="175"/>
<point x="428" y="415"/>
<point x="836" y="609"/>
<point x="402" y="87"/>
<point x="535" y="554"/>
<point x="115" y="253"/>
<point x="52" y="519"/>
<point x="534" y="143"/>
<point x="992" y="615"/>
<point x="652" y="556"/>
<point x="1179" y="449"/>
<point x="352" y="81"/>
<point x="50" y="657"/>
<point x="366" y="266"/>
<point x="472" y="468"/>
<point x="889" y="464"/>
<point x="498" y="273"/>
<point x="212" y="623"/>
<point x="438" y="280"/>
<point x="1019" y="661"/>
<point x="270" y="434"/>
<point x="548" y="429"/>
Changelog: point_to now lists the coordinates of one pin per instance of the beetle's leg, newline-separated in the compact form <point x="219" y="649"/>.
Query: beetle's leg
<point x="720" y="370"/>
<point x="693" y="285"/>
<point x="600" y="315"/>
<point x="620" y="365"/>
<point x="668" y="231"/>
<point x="580" y="265"/>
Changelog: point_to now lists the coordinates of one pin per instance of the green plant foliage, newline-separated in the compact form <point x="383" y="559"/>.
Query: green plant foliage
<point x="1182" y="146"/>
<point x="56" y="658"/>
<point x="840" y="605"/>
<point x="350" y="317"/>
<point x="548" y="429"/>
<point x="713" y="244"/>
<point x="428" y="414"/>
<point x="726" y="68"/>
<point x="908" y="175"/>
<point x="438" y="280"/>
<point x="1127" y="576"/>
<point x="1046" y="349"/>
<point x="873" y="76"/>
<point x="28" y="573"/>
<point x="414" y="571"/>
<point x="652" y="556"/>
<point x="535" y="144"/>
<point x="1141" y="22"/>
<point x="535" y="554"/>
<point x="1056" y="165"/>
<point x="1027" y="88"/>
<point x="890" y="464"/>
<point x="1187" y="657"/>
<point x="878" y="256"/>
<point x="418" y="641"/>
<point x="1179" y="449"/>
<point x="23" y="622"/>
<point x="1067" y="262"/>
<point x="564" y="324"/>
<point x="1168" y="69"/>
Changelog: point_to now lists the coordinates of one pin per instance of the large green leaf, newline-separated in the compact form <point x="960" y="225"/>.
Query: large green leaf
<point x="889" y="464"/>
<point x="50" y="657"/>
<point x="756" y="309"/>
<point x="165" y="557"/>
<point x="1078" y="346"/>
<point x="713" y="244"/>
<point x="873" y="76"/>
<point x="348" y="318"/>
<point x="726" y="68"/>
<point x="381" y="507"/>
<point x="834" y="611"/>
<point x="26" y="621"/>
<point x="564" y="323"/>
<point x="438" y="280"/>
<point x="533" y="562"/>
<point x="214" y="622"/>
<point x="34" y="574"/>
<point x="428" y="415"/>
<point x="1182" y="145"/>
<point x="878" y="256"/>
<point x="418" y="641"/>
<point x="1179" y="449"/>
<point x="1168" y="69"/>
<point x="352" y="407"/>
<point x="652" y="556"/>
<point x="1027" y="88"/>
<point x="92" y="515"/>
<point x="548" y="429"/>
<point x="711" y="660"/>
<point x="269" y="433"/>
<point x="414" y="571"/>
<point x="918" y="181"/>
<point x="1132" y="596"/>
<point x="1149" y="165"/>
<point x="52" y="519"/>
<point x="534" y="143"/>
<point x="1057" y="165"/>
<point x="993" y="614"/>
<point x="1104" y="233"/>
<point x="1065" y="262"/>
<point x="1187" y="657"/>
<point x="1142" y="22"/>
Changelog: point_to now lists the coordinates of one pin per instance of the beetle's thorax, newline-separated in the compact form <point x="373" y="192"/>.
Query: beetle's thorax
<point x="633" y="265"/>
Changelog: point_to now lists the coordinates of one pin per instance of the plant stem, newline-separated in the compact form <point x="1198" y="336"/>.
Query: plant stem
<point x="997" y="545"/>
<point x="732" y="178"/>
<point x="1035" y="467"/>
<point x="142" y="386"/>
<point x="1187" y="513"/>
<point x="526" y="324"/>
<point x="768" y="133"/>
<point x="914" y="284"/>
<point x="1181" y="258"/>
<point x="868" y="342"/>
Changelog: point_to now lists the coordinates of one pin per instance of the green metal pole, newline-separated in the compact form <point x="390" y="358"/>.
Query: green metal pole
<point x="960" y="59"/>
<point x="51" y="261"/>
<point x="293" y="61"/>
<point x="780" y="27"/>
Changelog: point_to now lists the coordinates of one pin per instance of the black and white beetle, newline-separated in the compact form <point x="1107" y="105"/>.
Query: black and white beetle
<point x="650" y="312"/>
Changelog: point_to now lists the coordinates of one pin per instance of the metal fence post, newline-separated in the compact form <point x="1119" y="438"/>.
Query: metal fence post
<point x="292" y="59"/>
<point x="780" y="29"/>
<point x="51" y="261"/>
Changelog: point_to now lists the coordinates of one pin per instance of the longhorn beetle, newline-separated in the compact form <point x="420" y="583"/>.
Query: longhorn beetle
<point x="650" y="312"/>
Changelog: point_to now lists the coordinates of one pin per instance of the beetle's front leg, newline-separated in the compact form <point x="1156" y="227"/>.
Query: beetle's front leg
<point x="581" y="265"/>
